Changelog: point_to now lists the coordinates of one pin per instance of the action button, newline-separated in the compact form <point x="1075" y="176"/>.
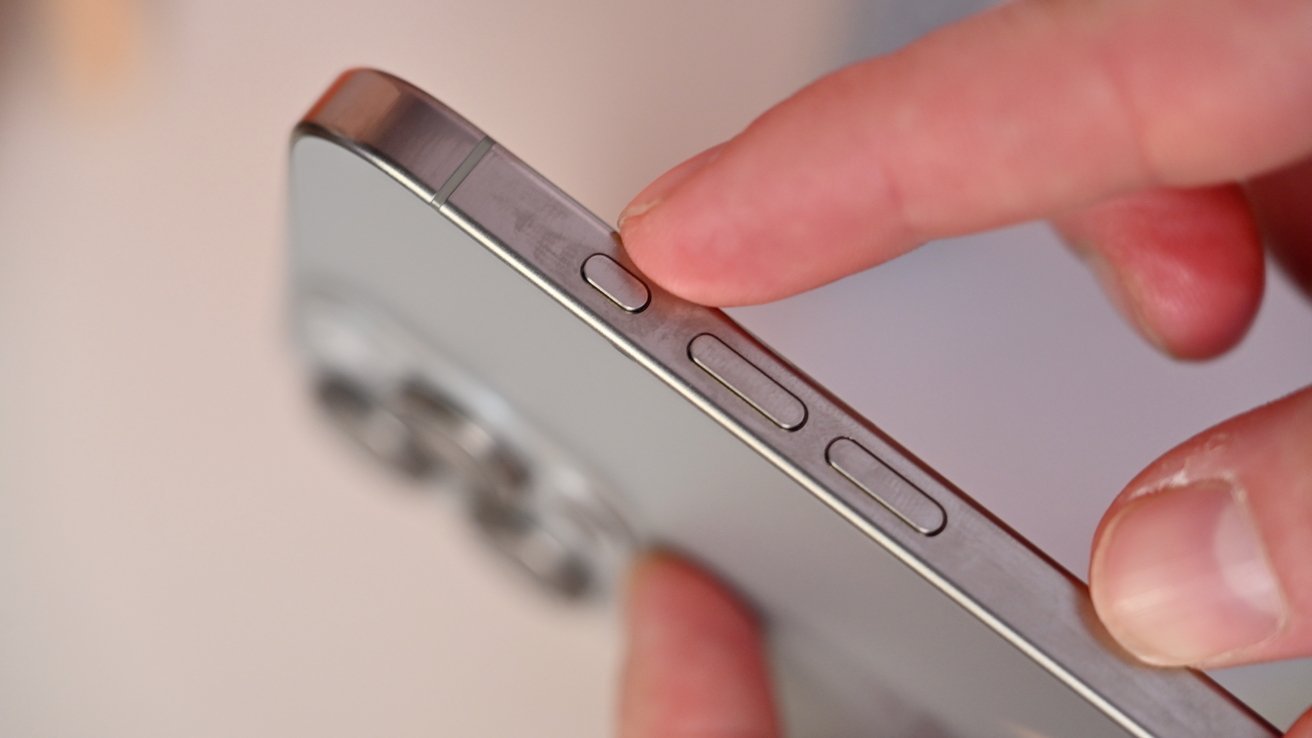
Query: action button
<point x="616" y="283"/>
<point x="744" y="379"/>
<point x="886" y="486"/>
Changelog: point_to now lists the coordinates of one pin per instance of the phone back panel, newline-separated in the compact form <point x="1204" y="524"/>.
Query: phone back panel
<point x="863" y="640"/>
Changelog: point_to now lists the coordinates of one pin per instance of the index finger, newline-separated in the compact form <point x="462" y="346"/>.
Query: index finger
<point x="1028" y="110"/>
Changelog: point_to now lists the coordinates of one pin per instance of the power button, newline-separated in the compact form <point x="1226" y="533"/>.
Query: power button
<point x="618" y="284"/>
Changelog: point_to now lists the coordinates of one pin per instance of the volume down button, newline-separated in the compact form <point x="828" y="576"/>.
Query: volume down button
<point x="886" y="486"/>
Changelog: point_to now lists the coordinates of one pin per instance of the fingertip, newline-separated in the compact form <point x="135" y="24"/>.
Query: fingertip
<point x="696" y="662"/>
<point x="696" y="231"/>
<point x="1200" y="560"/>
<point x="655" y="193"/>
<point x="1181" y="576"/>
<point x="1184" y="267"/>
<point x="798" y="199"/>
<point x="665" y="589"/>
<point x="657" y="241"/>
<point x="650" y="573"/>
<point x="661" y="253"/>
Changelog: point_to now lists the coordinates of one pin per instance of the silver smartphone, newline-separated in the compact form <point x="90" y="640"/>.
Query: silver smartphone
<point x="479" y="331"/>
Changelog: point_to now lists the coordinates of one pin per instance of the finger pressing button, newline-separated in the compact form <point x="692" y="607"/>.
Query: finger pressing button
<point x="616" y="283"/>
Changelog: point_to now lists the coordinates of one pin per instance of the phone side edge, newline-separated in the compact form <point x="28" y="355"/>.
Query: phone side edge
<point x="1022" y="595"/>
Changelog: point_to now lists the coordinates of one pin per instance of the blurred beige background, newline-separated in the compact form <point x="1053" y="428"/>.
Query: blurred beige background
<point x="185" y="550"/>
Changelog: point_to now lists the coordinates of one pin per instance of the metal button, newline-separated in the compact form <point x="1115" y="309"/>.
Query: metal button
<point x="616" y="283"/>
<point x="744" y="379"/>
<point x="886" y="486"/>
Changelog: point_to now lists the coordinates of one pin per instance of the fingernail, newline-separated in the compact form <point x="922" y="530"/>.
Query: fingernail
<point x="657" y="192"/>
<point x="1118" y="294"/>
<point x="1180" y="577"/>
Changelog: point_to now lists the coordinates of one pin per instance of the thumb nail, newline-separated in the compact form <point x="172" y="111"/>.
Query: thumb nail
<point x="1180" y="576"/>
<point x="657" y="192"/>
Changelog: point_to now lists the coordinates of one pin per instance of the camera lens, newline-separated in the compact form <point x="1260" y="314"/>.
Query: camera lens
<point x="373" y="425"/>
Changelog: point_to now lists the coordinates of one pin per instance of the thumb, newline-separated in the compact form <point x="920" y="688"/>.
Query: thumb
<point x="1202" y="561"/>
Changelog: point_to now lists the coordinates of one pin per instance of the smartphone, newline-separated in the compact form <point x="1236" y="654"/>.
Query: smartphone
<point x="479" y="331"/>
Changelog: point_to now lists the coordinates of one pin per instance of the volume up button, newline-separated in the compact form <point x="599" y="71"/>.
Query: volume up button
<point x="746" y="380"/>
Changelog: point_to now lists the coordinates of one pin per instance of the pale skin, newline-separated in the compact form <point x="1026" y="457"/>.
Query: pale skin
<point x="1169" y="142"/>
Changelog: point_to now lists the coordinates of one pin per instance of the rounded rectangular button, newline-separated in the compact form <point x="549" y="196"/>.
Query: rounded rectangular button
<point x="744" y="379"/>
<point x="618" y="284"/>
<point x="886" y="486"/>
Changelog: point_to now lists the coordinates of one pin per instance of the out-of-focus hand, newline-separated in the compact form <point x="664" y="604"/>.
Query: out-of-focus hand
<point x="696" y="666"/>
<point x="1166" y="141"/>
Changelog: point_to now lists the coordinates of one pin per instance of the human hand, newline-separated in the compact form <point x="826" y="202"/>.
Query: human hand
<point x="696" y="665"/>
<point x="1164" y="140"/>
